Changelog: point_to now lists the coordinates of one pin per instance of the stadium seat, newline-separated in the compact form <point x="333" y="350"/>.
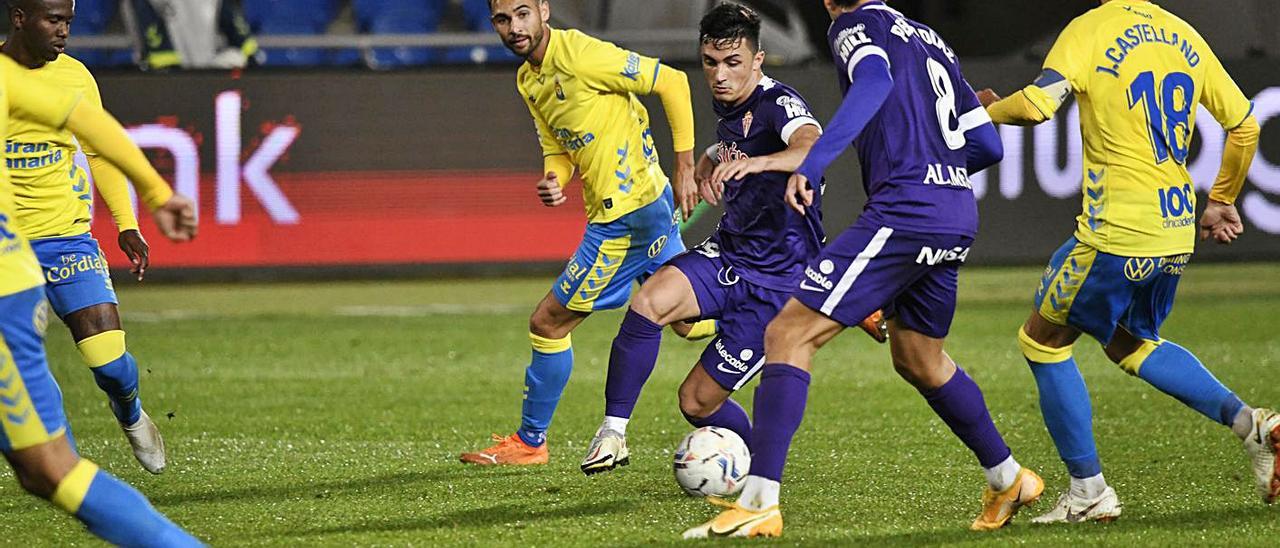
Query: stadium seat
<point x="297" y="18"/>
<point x="399" y="17"/>
<point x="92" y="19"/>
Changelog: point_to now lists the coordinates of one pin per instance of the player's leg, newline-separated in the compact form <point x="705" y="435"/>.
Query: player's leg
<point x="921" y="318"/>
<point x="1138" y="349"/>
<point x="1079" y="292"/>
<point x="732" y="359"/>
<point x="692" y="330"/>
<point x="79" y="289"/>
<point x="665" y="298"/>
<point x="32" y="427"/>
<point x="791" y="340"/>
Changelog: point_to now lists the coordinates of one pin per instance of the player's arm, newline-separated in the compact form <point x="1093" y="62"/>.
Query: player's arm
<point x="557" y="166"/>
<point x="1034" y="104"/>
<point x="1231" y="108"/>
<point x="672" y="86"/>
<point x="702" y="172"/>
<point x="113" y="186"/>
<point x="1039" y="101"/>
<point x="799" y="143"/>
<point x="983" y="147"/>
<point x="871" y="85"/>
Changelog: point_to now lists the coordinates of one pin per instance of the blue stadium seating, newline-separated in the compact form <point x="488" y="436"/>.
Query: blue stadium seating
<point x="92" y="19"/>
<point x="399" y="17"/>
<point x="297" y="17"/>
<point x="476" y="13"/>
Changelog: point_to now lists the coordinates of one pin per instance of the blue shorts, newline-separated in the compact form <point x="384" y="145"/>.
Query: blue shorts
<point x="614" y="255"/>
<point x="75" y="273"/>
<point x="743" y="308"/>
<point x="912" y="276"/>
<point x="1095" y="292"/>
<point x="30" y="400"/>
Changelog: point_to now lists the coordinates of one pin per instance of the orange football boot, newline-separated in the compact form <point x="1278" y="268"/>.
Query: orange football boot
<point x="876" y="326"/>
<point x="510" y="450"/>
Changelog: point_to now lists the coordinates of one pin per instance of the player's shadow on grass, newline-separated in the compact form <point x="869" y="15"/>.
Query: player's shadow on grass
<point x="511" y="515"/>
<point x="286" y="488"/>
<point x="1206" y="519"/>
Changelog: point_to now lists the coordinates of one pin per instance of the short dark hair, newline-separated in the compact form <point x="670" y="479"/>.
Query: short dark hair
<point x="845" y="3"/>
<point x="728" y="23"/>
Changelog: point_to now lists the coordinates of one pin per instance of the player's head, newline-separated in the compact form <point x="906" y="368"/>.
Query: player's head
<point x="522" y="24"/>
<point x="41" y="26"/>
<point x="731" y="54"/>
<point x="837" y="7"/>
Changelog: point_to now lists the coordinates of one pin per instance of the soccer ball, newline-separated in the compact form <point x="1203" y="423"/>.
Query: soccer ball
<point x="711" y="461"/>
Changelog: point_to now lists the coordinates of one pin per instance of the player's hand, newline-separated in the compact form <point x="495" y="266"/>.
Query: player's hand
<point x="799" y="193"/>
<point x="549" y="191"/>
<point x="737" y="169"/>
<point x="177" y="219"/>
<point x="684" y="186"/>
<point x="1222" y="222"/>
<point x="988" y="97"/>
<point x="136" y="249"/>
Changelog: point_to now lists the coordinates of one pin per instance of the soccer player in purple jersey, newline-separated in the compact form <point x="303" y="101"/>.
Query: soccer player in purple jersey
<point x="920" y="131"/>
<point x="744" y="273"/>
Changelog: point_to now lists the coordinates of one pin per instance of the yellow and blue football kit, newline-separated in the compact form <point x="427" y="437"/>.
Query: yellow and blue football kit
<point x="53" y="197"/>
<point x="583" y="101"/>
<point x="31" y="412"/>
<point x="1138" y="73"/>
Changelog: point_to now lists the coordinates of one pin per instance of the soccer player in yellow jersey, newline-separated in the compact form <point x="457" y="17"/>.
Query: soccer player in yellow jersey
<point x="1139" y="73"/>
<point x="53" y="201"/>
<point x="582" y="94"/>
<point x="33" y="426"/>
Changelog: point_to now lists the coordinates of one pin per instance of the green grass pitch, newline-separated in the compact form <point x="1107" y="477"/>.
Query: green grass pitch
<point x="332" y="414"/>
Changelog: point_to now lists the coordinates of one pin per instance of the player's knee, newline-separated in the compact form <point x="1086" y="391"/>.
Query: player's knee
<point x="647" y="306"/>
<point x="694" y="405"/>
<point x="40" y="477"/>
<point x="1130" y="357"/>
<point x="1037" y="352"/>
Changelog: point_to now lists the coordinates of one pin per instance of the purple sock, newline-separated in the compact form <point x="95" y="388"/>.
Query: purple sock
<point x="635" y="352"/>
<point x="779" y="408"/>
<point x="731" y="415"/>
<point x="960" y="404"/>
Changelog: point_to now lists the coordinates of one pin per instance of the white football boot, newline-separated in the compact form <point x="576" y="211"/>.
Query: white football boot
<point x="148" y="446"/>
<point x="1072" y="509"/>
<point x="1261" y="445"/>
<point x="608" y="451"/>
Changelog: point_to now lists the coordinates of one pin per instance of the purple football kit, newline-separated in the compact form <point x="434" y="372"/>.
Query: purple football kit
<point x="747" y="270"/>
<point x="903" y="253"/>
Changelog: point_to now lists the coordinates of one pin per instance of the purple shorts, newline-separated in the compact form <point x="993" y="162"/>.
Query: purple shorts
<point x="743" y="309"/>
<point x="910" y="275"/>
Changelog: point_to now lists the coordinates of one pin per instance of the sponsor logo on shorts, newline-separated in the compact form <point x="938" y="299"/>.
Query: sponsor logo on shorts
<point x="656" y="247"/>
<point x="40" y="318"/>
<point x="820" y="278"/>
<point x="733" y="365"/>
<point x="1139" y="268"/>
<point x="1175" y="265"/>
<point x="73" y="265"/>
<point x="931" y="256"/>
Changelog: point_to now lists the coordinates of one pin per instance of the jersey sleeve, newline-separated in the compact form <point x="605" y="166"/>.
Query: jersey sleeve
<point x="606" y="67"/>
<point x="859" y="38"/>
<point x="787" y="112"/>
<point x="36" y="101"/>
<point x="94" y="98"/>
<point x="1222" y="97"/>
<point x="1070" y="54"/>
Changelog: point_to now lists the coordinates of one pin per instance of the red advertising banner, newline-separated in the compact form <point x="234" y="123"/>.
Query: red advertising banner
<point x="374" y="218"/>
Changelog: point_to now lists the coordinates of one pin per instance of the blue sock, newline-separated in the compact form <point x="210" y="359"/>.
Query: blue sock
<point x="119" y="379"/>
<point x="1177" y="372"/>
<point x="116" y="512"/>
<point x="544" y="382"/>
<point x="1068" y="414"/>
<point x="731" y="415"/>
